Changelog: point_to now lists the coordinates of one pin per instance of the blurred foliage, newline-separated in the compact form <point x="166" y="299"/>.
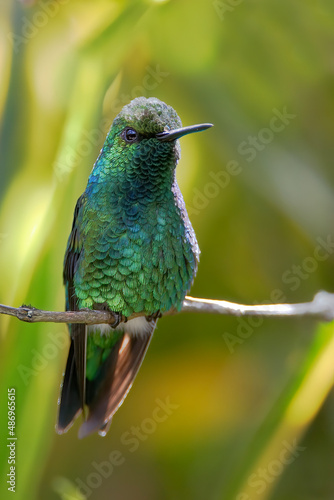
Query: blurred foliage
<point x="253" y="409"/>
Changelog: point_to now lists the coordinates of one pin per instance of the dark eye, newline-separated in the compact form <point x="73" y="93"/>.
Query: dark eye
<point x="129" y="135"/>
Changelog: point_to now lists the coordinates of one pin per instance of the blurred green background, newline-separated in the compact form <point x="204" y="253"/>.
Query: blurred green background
<point x="252" y="413"/>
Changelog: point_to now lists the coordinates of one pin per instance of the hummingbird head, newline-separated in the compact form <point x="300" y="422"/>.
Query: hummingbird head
<point x="141" y="149"/>
<point x="143" y="137"/>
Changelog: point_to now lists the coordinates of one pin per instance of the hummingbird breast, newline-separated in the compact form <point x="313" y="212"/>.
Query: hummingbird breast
<point x="138" y="256"/>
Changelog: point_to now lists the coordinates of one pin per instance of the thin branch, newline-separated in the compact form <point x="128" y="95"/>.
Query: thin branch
<point x="321" y="308"/>
<point x="33" y="315"/>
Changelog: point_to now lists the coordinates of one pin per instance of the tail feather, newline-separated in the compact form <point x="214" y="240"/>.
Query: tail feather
<point x="121" y="367"/>
<point x="106" y="392"/>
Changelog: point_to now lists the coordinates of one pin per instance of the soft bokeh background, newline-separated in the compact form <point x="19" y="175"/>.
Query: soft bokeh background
<point x="252" y="413"/>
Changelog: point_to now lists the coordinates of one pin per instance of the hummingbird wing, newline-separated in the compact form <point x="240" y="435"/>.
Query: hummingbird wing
<point x="110" y="388"/>
<point x="74" y="384"/>
<point x="70" y="401"/>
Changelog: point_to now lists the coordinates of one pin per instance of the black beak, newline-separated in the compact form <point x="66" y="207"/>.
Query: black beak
<point x="172" y="135"/>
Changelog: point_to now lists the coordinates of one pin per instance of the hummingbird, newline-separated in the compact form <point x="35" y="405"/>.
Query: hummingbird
<point x="132" y="251"/>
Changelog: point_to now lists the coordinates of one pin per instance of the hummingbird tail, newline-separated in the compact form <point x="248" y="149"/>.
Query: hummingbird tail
<point x="109" y="391"/>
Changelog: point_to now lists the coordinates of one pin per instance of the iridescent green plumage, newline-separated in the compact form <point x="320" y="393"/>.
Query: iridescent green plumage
<point x="132" y="249"/>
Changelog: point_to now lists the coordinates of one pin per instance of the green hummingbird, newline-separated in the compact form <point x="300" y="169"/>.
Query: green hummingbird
<point x="132" y="249"/>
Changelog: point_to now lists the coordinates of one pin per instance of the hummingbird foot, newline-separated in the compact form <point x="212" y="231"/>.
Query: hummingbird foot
<point x="118" y="319"/>
<point x="154" y="316"/>
<point x="117" y="316"/>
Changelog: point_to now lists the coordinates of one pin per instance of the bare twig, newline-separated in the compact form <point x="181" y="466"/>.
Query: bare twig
<point x="321" y="308"/>
<point x="33" y="315"/>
